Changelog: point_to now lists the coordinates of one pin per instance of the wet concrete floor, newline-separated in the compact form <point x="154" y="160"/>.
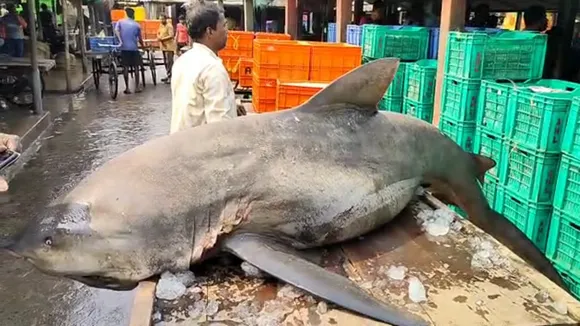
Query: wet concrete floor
<point x="92" y="130"/>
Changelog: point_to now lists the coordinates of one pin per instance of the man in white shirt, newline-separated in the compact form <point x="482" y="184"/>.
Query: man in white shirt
<point x="200" y="86"/>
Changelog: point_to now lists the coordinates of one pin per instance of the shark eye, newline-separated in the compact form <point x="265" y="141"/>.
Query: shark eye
<point x="48" y="241"/>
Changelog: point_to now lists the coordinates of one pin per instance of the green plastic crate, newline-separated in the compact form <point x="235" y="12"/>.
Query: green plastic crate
<point x="420" y="81"/>
<point x="530" y="174"/>
<point x="507" y="55"/>
<point x="531" y="218"/>
<point x="489" y="189"/>
<point x="564" y="242"/>
<point x="493" y="106"/>
<point x="460" y="132"/>
<point x="537" y="119"/>
<point x="571" y="141"/>
<point x="403" y="42"/>
<point x="490" y="145"/>
<point x="571" y="281"/>
<point x="392" y="104"/>
<point x="464" y="54"/>
<point x="397" y="87"/>
<point x="460" y="98"/>
<point x="515" y="56"/>
<point x="418" y="110"/>
<point x="567" y="194"/>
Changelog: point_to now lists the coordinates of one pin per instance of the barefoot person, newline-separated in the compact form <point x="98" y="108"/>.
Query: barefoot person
<point x="200" y="86"/>
<point x="129" y="33"/>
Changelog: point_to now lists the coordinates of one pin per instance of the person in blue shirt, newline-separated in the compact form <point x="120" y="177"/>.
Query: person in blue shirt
<point x="129" y="33"/>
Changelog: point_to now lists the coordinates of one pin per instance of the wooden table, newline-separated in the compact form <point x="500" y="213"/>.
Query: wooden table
<point x="456" y="293"/>
<point x="44" y="65"/>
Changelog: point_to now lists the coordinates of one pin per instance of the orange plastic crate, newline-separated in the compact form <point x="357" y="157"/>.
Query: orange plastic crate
<point x="264" y="89"/>
<point x="117" y="14"/>
<point x="262" y="106"/>
<point x="245" y="72"/>
<point x="293" y="94"/>
<point x="328" y="61"/>
<point x="232" y="65"/>
<point x="151" y="26"/>
<point x="239" y="44"/>
<point x="286" y="60"/>
<point x="272" y="36"/>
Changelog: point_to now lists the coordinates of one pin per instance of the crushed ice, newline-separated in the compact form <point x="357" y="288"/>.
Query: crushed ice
<point x="561" y="307"/>
<point x="486" y="255"/>
<point x="436" y="222"/>
<point x="417" y="291"/>
<point x="397" y="272"/>
<point x="173" y="286"/>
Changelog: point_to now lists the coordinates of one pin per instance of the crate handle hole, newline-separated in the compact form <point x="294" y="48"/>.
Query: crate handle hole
<point x="570" y="89"/>
<point x="575" y="226"/>
<point x="516" y="200"/>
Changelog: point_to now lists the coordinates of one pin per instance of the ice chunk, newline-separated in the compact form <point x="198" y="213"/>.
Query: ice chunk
<point x="322" y="307"/>
<point x="486" y="256"/>
<point x="186" y="278"/>
<point x="436" y="222"/>
<point x="397" y="272"/>
<point x="169" y="287"/>
<point x="561" y="307"/>
<point x="212" y="308"/>
<point x="251" y="270"/>
<point x="288" y="291"/>
<point x="417" y="291"/>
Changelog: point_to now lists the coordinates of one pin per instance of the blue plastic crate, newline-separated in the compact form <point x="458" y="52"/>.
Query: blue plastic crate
<point x="353" y="34"/>
<point x="331" y="34"/>
<point x="94" y="42"/>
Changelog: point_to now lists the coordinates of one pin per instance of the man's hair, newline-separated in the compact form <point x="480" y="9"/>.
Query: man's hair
<point x="181" y="17"/>
<point x="130" y="12"/>
<point x="534" y="14"/>
<point x="200" y="15"/>
<point x="43" y="6"/>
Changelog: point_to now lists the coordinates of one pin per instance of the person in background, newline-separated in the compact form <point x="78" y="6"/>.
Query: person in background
<point x="181" y="36"/>
<point x="128" y="32"/>
<point x="14" y="26"/>
<point x="482" y="17"/>
<point x="416" y="16"/>
<point x="376" y="17"/>
<point x="47" y="22"/>
<point x="201" y="89"/>
<point x="166" y="39"/>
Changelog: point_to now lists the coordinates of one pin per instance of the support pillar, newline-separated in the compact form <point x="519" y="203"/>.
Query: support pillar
<point x="66" y="45"/>
<point x="452" y="18"/>
<point x="343" y="17"/>
<point x="248" y="15"/>
<point x="83" y="35"/>
<point x="36" y="84"/>
<point x="291" y="26"/>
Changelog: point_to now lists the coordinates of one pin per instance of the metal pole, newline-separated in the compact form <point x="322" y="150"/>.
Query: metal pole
<point x="81" y="14"/>
<point x="66" y="45"/>
<point x="36" y="85"/>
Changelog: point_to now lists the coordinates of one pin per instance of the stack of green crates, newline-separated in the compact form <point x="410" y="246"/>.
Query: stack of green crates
<point x="408" y="43"/>
<point x="474" y="60"/>
<point x="534" y="130"/>
<point x="563" y="247"/>
<point x="419" y="90"/>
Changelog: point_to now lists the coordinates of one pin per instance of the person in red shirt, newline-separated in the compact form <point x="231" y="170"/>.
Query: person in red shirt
<point x="181" y="35"/>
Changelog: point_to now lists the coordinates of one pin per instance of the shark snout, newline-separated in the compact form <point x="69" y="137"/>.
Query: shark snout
<point x="11" y="248"/>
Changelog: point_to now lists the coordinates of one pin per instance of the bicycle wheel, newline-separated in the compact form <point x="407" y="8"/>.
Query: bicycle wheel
<point x="96" y="73"/>
<point x="113" y="80"/>
<point x="153" y="67"/>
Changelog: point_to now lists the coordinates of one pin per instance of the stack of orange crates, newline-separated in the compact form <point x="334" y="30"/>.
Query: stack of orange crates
<point x="328" y="61"/>
<point x="273" y="60"/>
<point x="245" y="73"/>
<point x="293" y="94"/>
<point x="117" y="14"/>
<point x="239" y="46"/>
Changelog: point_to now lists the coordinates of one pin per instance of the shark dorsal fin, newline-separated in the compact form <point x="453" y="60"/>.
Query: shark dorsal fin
<point x="364" y="86"/>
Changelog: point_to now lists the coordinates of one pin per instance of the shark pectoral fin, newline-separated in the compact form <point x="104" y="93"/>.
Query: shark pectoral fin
<point x="483" y="164"/>
<point x="284" y="263"/>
